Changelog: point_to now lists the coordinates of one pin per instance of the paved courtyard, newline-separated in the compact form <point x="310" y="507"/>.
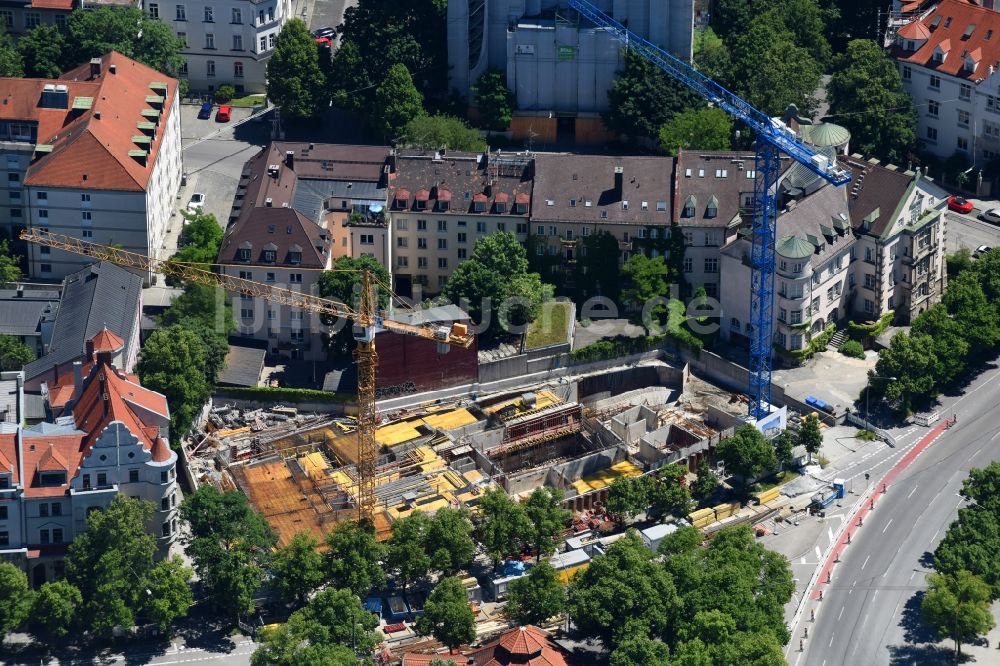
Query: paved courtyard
<point x="830" y="376"/>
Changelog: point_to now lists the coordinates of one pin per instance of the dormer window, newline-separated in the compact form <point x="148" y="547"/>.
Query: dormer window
<point x="501" y="206"/>
<point x="295" y="257"/>
<point x="243" y="254"/>
<point x="270" y="256"/>
<point x="443" y="205"/>
<point x="712" y="210"/>
<point x="421" y="205"/>
<point x="478" y="206"/>
<point x="947" y="22"/>
<point x="520" y="208"/>
<point x="52" y="478"/>
<point x="690" y="204"/>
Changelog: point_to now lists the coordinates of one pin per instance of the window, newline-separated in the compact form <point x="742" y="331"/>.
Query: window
<point x="421" y="262"/>
<point x="796" y="317"/>
<point x="625" y="205"/>
<point x="402" y="242"/>
<point x="782" y="339"/>
<point x="869" y="306"/>
<point x="962" y="143"/>
<point x="442" y="225"/>
<point x="935" y="82"/>
<point x="461" y="237"/>
<point x="421" y="225"/>
<point x="869" y="281"/>
<point x="43" y="212"/>
<point x="102" y="479"/>
<point x="45" y="249"/>
<point x="442" y="262"/>
<point x="541" y="230"/>
<point x="181" y="13"/>
<point x="933" y="108"/>
<point x="553" y="231"/>
<point x="166" y="529"/>
<point x="210" y="44"/>
<point x="85" y="198"/>
<point x="7" y="17"/>
<point x="931" y="134"/>
<point x="661" y="206"/>
<point x="796" y="341"/>
<point x="3" y="513"/>
<point x="270" y="14"/>
<point x="295" y="278"/>
<point x="4" y="538"/>
<point x="688" y="265"/>
<point x="184" y="39"/>
<point x="402" y="262"/>
<point x="210" y="68"/>
<point x="57" y="535"/>
<point x="263" y="43"/>
<point x="272" y="315"/>
<point x="963" y="118"/>
<point x="367" y="239"/>
<point x="86" y="481"/>
<point x="209" y="14"/>
<point x="421" y="243"/>
<point x="237" y="42"/>
<point x="61" y="21"/>
<point x="238" y="70"/>
<point x="13" y="177"/>
<point x="46" y="268"/>
<point x="260" y="17"/>
<point x="271" y="40"/>
<point x="42" y="196"/>
<point x="481" y="227"/>
<point x="154" y="10"/>
<point x="965" y="92"/>
<point x="52" y="478"/>
<point x="43" y="510"/>
<point x="569" y="234"/>
<point x="164" y="477"/>
<point x="86" y="215"/>
<point x="712" y="265"/>
<point x="237" y="16"/>
<point x="133" y="476"/>
<point x="442" y="243"/>
<point x="462" y="253"/>
<point x="165" y="504"/>
<point x="43" y="536"/>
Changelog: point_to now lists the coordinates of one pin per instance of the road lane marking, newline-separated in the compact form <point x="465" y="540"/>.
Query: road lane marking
<point x="840" y="613"/>
<point x="819" y="555"/>
<point x="803" y="560"/>
<point x="866" y="561"/>
<point x="911" y="492"/>
<point x="887" y="526"/>
<point x="831" y="640"/>
<point x="935" y="535"/>
<point x="873" y="600"/>
<point x="912" y="574"/>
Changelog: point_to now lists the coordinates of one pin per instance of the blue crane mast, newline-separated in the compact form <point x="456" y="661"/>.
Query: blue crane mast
<point x="773" y="139"/>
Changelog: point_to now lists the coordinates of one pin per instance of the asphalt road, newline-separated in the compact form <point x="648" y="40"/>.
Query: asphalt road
<point x="968" y="232"/>
<point x="870" y="612"/>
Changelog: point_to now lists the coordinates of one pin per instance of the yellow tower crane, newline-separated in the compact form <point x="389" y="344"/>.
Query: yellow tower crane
<point x="367" y="319"/>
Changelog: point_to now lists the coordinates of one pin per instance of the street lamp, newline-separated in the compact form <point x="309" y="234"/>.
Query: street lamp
<point x="868" y="390"/>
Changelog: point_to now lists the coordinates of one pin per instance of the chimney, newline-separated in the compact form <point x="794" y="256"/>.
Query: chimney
<point x="95" y="67"/>
<point x="290" y="158"/>
<point x="90" y="350"/>
<point x="619" y="181"/>
<point x="113" y="68"/>
<point x="97" y="115"/>
<point x="77" y="379"/>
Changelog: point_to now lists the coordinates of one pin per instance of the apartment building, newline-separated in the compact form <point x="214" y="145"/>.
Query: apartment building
<point x="227" y="42"/>
<point x="898" y="218"/>
<point x="289" y="198"/>
<point x="111" y="439"/>
<point x="813" y="281"/>
<point x="441" y="203"/>
<point x="95" y="154"/>
<point x="19" y="16"/>
<point x="28" y="313"/>
<point x="948" y="56"/>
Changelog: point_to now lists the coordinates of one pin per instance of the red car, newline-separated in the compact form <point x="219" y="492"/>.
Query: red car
<point x="959" y="205"/>
<point x="222" y="115"/>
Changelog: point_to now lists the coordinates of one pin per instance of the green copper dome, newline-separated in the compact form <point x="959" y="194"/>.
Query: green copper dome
<point x="792" y="247"/>
<point x="826" y="134"/>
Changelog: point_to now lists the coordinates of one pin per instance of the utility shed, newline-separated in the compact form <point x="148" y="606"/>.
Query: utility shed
<point x="652" y="536"/>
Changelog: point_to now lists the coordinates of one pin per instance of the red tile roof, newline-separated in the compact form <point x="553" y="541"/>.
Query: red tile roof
<point x="413" y="659"/>
<point x="522" y="646"/>
<point x="8" y="455"/>
<point x="106" y="341"/>
<point x="946" y="26"/>
<point x="161" y="451"/>
<point x="90" y="146"/>
<point x="52" y="4"/>
<point x="49" y="453"/>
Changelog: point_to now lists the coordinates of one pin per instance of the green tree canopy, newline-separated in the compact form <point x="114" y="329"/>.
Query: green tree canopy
<point x="93" y="33"/>
<point x="10" y="58"/>
<point x="972" y="542"/>
<point x="55" y="611"/>
<point x="627" y="497"/>
<point x="15" y="598"/>
<point x="449" y="540"/>
<point x="42" y="49"/>
<point x="810" y="436"/>
<point x="548" y="519"/>
<point x="911" y="360"/>
<point x="433" y="132"/>
<point x="297" y="568"/>
<point x="10" y="264"/>
<point x="597" y="268"/>
<point x="536" y="596"/>
<point x="343" y="283"/>
<point x="866" y="96"/>
<point x="201" y="238"/>
<point x="705" y="485"/>
<point x="349" y="83"/>
<point x="646" y="278"/>
<point x="397" y="102"/>
<point x="643" y="99"/>
<point x="206" y="312"/>
<point x="502" y="525"/>
<point x="783" y="445"/>
<point x="668" y="496"/>
<point x="170" y="596"/>
<point x="641" y="651"/>
<point x="747" y="453"/>
<point x="231" y="546"/>
<point x="684" y="539"/>
<point x="494" y="100"/>
<point x="950" y="346"/>
<point x="447" y="616"/>
<point x="354" y="557"/>
<point x="173" y="362"/>
<point x="697" y="129"/>
<point x="295" y="80"/>
<point x="958" y="607"/>
<point x="408" y="555"/>
<point x="14" y="354"/>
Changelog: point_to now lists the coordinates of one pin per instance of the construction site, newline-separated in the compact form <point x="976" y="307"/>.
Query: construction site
<point x="300" y="470"/>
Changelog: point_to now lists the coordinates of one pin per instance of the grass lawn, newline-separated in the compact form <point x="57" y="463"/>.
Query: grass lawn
<point x="780" y="479"/>
<point x="551" y="327"/>
<point x="248" y="101"/>
<point x="706" y="37"/>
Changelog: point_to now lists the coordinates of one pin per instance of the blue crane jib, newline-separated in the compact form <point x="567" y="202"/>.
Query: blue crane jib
<point x="773" y="138"/>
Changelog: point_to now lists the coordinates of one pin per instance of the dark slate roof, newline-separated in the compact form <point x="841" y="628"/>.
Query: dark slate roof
<point x="24" y="315"/>
<point x="564" y="184"/>
<point x="281" y="230"/>
<point x="101" y="295"/>
<point x="243" y="366"/>
<point x="723" y="174"/>
<point x="458" y="177"/>
<point x="874" y="187"/>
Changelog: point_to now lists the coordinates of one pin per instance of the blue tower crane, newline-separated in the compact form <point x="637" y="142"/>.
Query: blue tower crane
<point x="773" y="138"/>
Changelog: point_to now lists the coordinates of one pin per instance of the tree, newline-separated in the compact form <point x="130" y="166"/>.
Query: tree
<point x="597" y="267"/>
<point x="447" y="616"/>
<point x="173" y="362"/>
<point x="705" y="485"/>
<point x="10" y="59"/>
<point x="684" y="539"/>
<point x="354" y="558"/>
<point x="866" y="96"/>
<point x="449" y="540"/>
<point x="535" y="597"/>
<point x="343" y="283"/>
<point x="806" y="20"/>
<point x="641" y="651"/>
<point x="206" y="312"/>
<point x="297" y="568"/>
<point x="668" y="496"/>
<point x="783" y="445"/>
<point x="502" y="526"/>
<point x="548" y="519"/>
<point x="647" y="279"/>
<point x="319" y="633"/>
<point x="957" y="606"/>
<point x="627" y="497"/>
<point x="911" y="360"/>
<point x="170" y="595"/>
<point x="93" y="33"/>
<point x="972" y="543"/>
<point x="397" y="102"/>
<point x="950" y="346"/>
<point x="14" y="354"/>
<point x="810" y="436"/>
<point x="10" y="266"/>
<point x="623" y="594"/>
<point x="15" y="598"/>
<point x="433" y="132"/>
<point x="408" y="547"/>
<point x="201" y="238"/>
<point x="55" y="610"/>
<point x="230" y="545"/>
<point x="494" y="100"/>
<point x="747" y="453"/>
<point x="643" y="98"/>
<point x="295" y="80"/>
<point x="42" y="49"/>
<point x="111" y="564"/>
<point x="977" y="317"/>
<point x="697" y="129"/>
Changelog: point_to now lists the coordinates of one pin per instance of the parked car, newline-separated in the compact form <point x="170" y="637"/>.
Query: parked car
<point x="991" y="215"/>
<point x="222" y="115"/>
<point x="981" y="250"/>
<point x="197" y="202"/>
<point x="959" y="205"/>
<point x="206" y="111"/>
<point x="325" y="31"/>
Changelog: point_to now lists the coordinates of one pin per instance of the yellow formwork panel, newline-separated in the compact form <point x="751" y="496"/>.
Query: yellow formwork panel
<point x="314" y="465"/>
<point x="397" y="433"/>
<point x="456" y="418"/>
